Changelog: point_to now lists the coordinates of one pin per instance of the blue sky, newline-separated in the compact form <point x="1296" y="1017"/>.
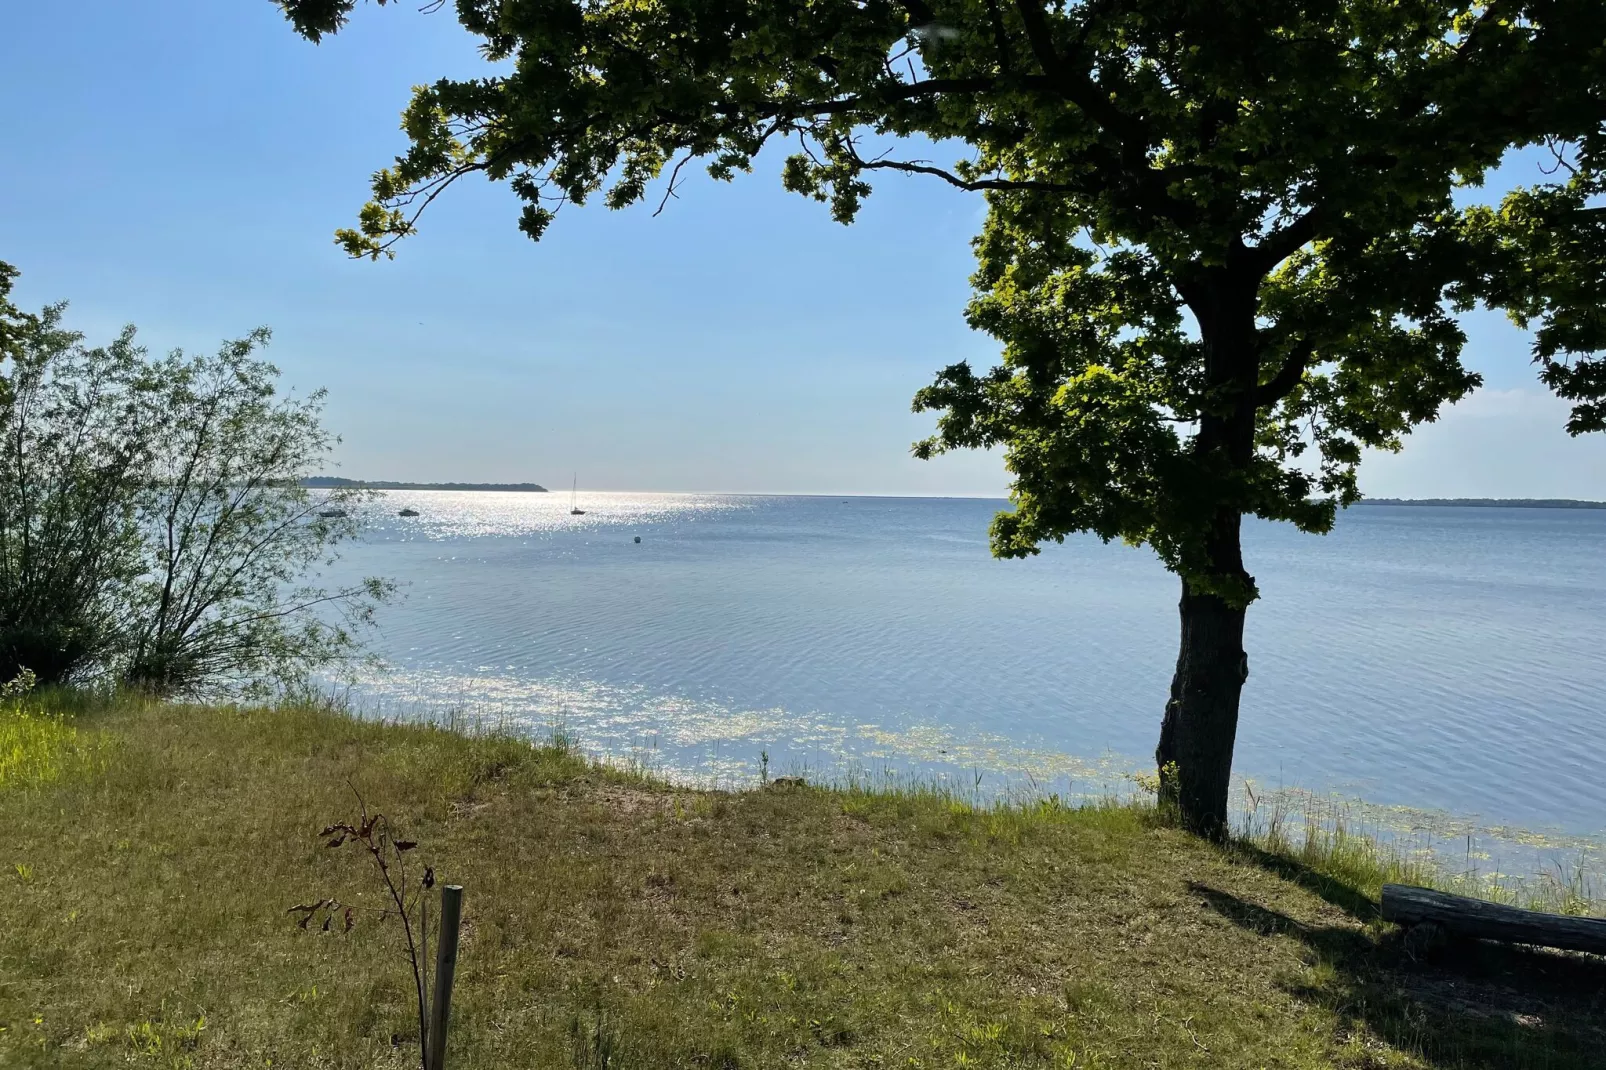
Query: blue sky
<point x="183" y="167"/>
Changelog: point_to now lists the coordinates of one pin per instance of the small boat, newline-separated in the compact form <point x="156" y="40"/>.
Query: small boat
<point x="332" y="514"/>
<point x="408" y="512"/>
<point x="574" y="509"/>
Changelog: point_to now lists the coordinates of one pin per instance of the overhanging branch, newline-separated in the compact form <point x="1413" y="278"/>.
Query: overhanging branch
<point x="915" y="167"/>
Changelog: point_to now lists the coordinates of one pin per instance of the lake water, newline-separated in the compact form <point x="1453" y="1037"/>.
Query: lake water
<point x="1425" y="658"/>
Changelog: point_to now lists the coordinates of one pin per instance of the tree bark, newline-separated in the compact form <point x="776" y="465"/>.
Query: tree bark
<point x="1194" y="756"/>
<point x="1201" y="719"/>
<point x="1477" y="919"/>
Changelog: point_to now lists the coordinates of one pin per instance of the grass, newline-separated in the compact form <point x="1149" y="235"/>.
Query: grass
<point x="616" y="922"/>
<point x="1321" y="835"/>
<point x="41" y="746"/>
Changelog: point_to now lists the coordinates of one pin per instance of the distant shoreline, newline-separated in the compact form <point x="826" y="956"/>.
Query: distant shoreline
<point x="386" y="484"/>
<point x="1490" y="503"/>
<point x="327" y="482"/>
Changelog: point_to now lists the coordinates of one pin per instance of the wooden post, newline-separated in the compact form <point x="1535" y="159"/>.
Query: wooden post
<point x="445" y="967"/>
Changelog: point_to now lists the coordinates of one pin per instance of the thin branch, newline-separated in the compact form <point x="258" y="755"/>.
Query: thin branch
<point x="973" y="186"/>
<point x="915" y="167"/>
<point x="435" y="188"/>
<point x="396" y="896"/>
<point x="419" y="199"/>
<point x="279" y="611"/>
<point x="1557" y="148"/>
<point x="674" y="177"/>
<point x="890" y="94"/>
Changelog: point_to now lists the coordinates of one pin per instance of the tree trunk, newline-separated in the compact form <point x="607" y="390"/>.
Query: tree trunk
<point x="1201" y="720"/>
<point x="1194" y="756"/>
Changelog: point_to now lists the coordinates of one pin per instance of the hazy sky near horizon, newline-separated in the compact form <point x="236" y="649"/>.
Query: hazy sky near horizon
<point x="183" y="167"/>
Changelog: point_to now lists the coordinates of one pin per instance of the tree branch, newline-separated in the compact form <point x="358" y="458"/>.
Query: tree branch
<point x="1000" y="38"/>
<point x="674" y="177"/>
<point x="1040" y="37"/>
<point x="1082" y="91"/>
<point x="429" y="191"/>
<point x="903" y="91"/>
<point x="917" y="168"/>
<point x="1288" y="376"/>
<point x="1284" y="242"/>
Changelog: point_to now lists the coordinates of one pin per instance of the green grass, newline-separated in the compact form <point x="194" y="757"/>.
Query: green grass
<point x="40" y="746"/>
<point x="615" y="922"/>
<point x="1321" y="836"/>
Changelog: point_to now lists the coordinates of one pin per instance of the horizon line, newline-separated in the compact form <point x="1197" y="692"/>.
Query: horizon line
<point x="491" y="487"/>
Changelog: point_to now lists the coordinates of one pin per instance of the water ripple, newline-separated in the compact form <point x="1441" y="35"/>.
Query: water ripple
<point x="1425" y="658"/>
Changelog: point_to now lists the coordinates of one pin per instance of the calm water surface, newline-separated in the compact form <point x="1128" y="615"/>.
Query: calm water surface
<point x="1450" y="659"/>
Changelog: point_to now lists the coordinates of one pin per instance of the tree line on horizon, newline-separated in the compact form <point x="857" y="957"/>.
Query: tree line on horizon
<point x="1493" y="503"/>
<point x="388" y="484"/>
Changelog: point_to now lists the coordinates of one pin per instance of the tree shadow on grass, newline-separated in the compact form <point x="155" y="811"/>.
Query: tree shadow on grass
<point x="1345" y="897"/>
<point x="1475" y="1004"/>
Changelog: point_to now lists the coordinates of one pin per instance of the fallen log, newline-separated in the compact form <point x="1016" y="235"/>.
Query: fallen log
<point x="1460" y="916"/>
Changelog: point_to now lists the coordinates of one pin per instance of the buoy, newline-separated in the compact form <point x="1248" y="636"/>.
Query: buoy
<point x="638" y="538"/>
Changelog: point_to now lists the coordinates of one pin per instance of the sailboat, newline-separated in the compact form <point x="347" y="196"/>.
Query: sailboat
<point x="574" y="509"/>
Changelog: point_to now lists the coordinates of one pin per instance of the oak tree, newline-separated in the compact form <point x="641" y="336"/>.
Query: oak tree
<point x="1223" y="252"/>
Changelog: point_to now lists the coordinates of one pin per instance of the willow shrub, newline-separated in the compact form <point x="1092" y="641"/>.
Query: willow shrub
<point x="154" y="530"/>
